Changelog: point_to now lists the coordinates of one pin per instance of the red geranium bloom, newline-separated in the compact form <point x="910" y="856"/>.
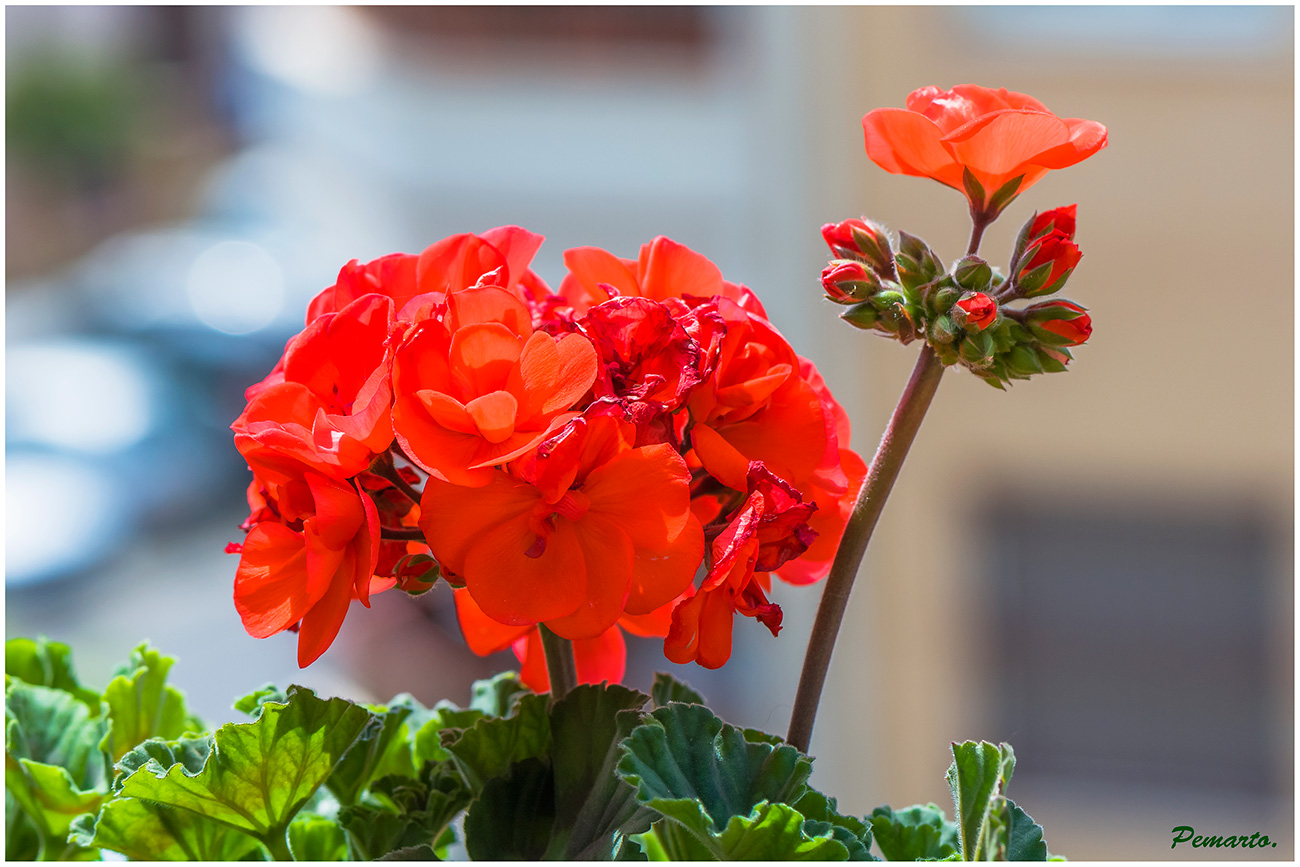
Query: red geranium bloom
<point x="577" y="534"/>
<point x="665" y="269"/>
<point x="307" y="571"/>
<point x="996" y="135"/>
<point x="769" y="528"/>
<point x="326" y="407"/>
<point x="450" y="265"/>
<point x="481" y="387"/>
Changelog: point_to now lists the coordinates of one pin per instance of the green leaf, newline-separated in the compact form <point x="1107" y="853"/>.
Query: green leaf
<point x="1024" y="835"/>
<point x="142" y="705"/>
<point x="152" y="832"/>
<point x="251" y="704"/>
<point x="491" y="745"/>
<point x="694" y="768"/>
<point x="445" y="716"/>
<point x="412" y="811"/>
<point x="512" y="817"/>
<point x="821" y="815"/>
<point x="498" y="696"/>
<point x="22" y="838"/>
<point x="260" y="774"/>
<point x="916" y="833"/>
<point x="777" y="832"/>
<point x="54" y="769"/>
<point x="46" y="663"/>
<point x="422" y="852"/>
<point x="384" y="746"/>
<point x="668" y="841"/>
<point x="317" y="838"/>
<point x="667" y="688"/>
<point x="979" y="774"/>
<point x="191" y="753"/>
<point x="591" y="803"/>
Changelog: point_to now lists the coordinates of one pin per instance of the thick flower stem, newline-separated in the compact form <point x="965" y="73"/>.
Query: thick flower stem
<point x="888" y="460"/>
<point x="560" y="667"/>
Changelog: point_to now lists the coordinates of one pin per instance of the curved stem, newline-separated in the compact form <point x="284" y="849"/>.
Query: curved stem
<point x="383" y="466"/>
<point x="978" y="223"/>
<point x="888" y="460"/>
<point x="560" y="667"/>
<point x="404" y="534"/>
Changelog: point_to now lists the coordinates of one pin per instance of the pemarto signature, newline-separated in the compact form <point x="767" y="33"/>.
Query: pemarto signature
<point x="1186" y="834"/>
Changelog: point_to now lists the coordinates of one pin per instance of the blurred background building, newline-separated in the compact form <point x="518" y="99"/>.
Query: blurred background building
<point x="1095" y="567"/>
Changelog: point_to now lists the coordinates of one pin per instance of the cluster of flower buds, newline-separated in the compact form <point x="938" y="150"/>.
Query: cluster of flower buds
<point x="962" y="311"/>
<point x="638" y="450"/>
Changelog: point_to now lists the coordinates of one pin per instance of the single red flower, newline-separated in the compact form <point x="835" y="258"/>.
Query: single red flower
<point x="981" y="310"/>
<point x="847" y="282"/>
<point x="480" y="387"/>
<point x="308" y="573"/>
<point x="574" y="536"/>
<point x="996" y="135"/>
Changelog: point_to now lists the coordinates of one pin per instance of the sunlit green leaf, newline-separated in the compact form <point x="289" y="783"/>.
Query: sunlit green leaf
<point x="251" y="704"/>
<point x="153" y="832"/>
<point x="141" y="705"/>
<point x="445" y="716"/>
<point x="317" y="838"/>
<point x="979" y="774"/>
<point x="259" y="774"/>
<point x="46" y="663"/>
<point x="385" y="746"/>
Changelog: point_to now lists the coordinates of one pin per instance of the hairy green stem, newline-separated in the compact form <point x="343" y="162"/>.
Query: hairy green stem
<point x="560" y="667"/>
<point x="888" y="460"/>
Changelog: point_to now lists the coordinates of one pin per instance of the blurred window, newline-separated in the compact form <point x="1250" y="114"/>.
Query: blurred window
<point x="1131" y="645"/>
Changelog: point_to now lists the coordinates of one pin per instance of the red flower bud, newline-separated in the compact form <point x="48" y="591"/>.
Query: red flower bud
<point x="859" y="239"/>
<point x="1054" y="231"/>
<point x="1058" y="219"/>
<point x="1064" y="319"/>
<point x="847" y="282"/>
<point x="980" y="310"/>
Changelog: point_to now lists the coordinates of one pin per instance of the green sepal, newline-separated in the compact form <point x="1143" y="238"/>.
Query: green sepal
<point x="499" y="695"/>
<point x="512" y="817"/>
<point x="146" y="831"/>
<point x="862" y="315"/>
<point x="592" y="804"/>
<point x="41" y="662"/>
<point x="667" y="688"/>
<point x="978" y="775"/>
<point x="1030" y="283"/>
<point x="1023" y="360"/>
<point x="1005" y="195"/>
<point x="973" y="274"/>
<point x="916" y="833"/>
<point x="973" y="188"/>
<point x="259" y="774"/>
<point x="699" y="771"/>
<point x="1050" y="364"/>
<point x="917" y="263"/>
<point x="317" y="838"/>
<point x="142" y="705"/>
<point x="492" y="744"/>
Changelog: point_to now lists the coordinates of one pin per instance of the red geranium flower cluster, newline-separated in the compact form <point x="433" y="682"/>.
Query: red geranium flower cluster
<point x="584" y="454"/>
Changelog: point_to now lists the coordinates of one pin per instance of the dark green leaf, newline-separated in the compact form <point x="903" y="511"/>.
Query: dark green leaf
<point x="979" y="773"/>
<point x="423" y="852"/>
<point x="153" y="832"/>
<point x="317" y="838"/>
<point x="191" y="753"/>
<point x="142" y="705"/>
<point x="591" y="802"/>
<point x="690" y="766"/>
<point x="512" y="817"/>
<point x="498" y="695"/>
<point x="46" y="663"/>
<point x="667" y="688"/>
<point x="821" y="815"/>
<point x="917" y="833"/>
<point x="491" y="745"/>
<point x="260" y="774"/>
<point x="1024" y="836"/>
<point x="413" y="811"/>
<point x="382" y="747"/>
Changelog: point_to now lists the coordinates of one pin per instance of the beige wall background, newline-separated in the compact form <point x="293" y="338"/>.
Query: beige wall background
<point x="1184" y="393"/>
